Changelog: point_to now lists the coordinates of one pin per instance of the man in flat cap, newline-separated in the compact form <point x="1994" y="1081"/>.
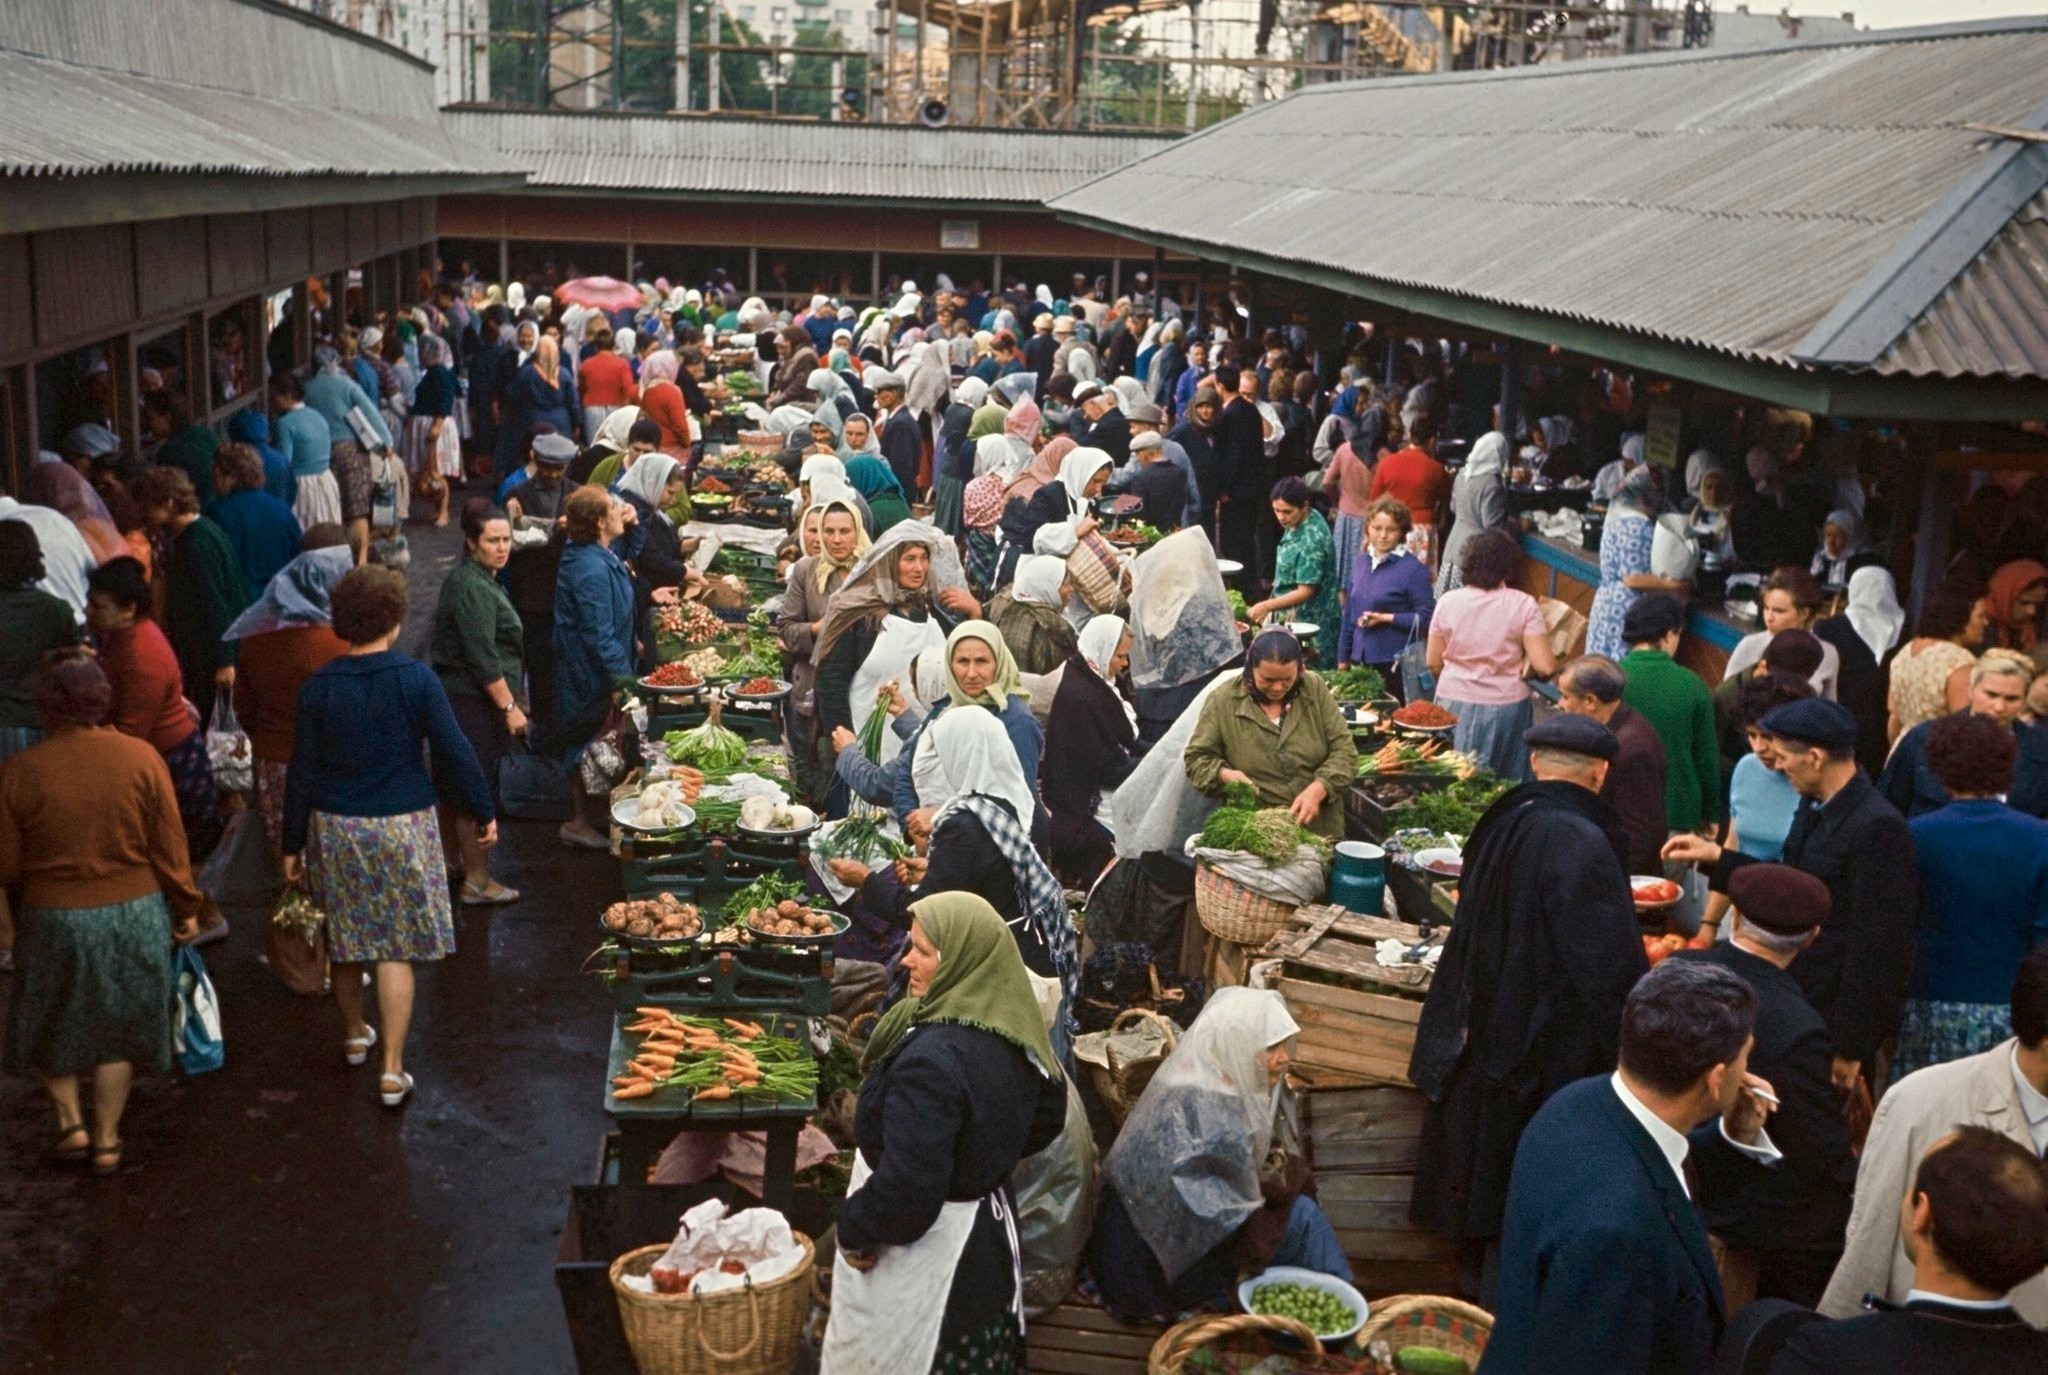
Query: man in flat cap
<point x="1101" y="424"/>
<point x="901" y="440"/>
<point x="1782" y="1220"/>
<point x="1528" y="993"/>
<point x="1846" y="835"/>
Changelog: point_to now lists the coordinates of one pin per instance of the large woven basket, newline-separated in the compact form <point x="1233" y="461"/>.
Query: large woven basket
<point x="1100" y="576"/>
<point x="1230" y="911"/>
<point x="761" y="442"/>
<point x="1170" y="1353"/>
<point x="1429" y="1320"/>
<point x="750" y="1331"/>
<point x="1119" y="1083"/>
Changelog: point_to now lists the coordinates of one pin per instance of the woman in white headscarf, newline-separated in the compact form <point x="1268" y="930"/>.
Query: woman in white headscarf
<point x="1841" y="548"/>
<point x="1194" y="1189"/>
<point x="1057" y="518"/>
<point x="1864" y="636"/>
<point x="1091" y="740"/>
<point x="652" y="546"/>
<point x="1029" y="613"/>
<point x="831" y="390"/>
<point x="1479" y="502"/>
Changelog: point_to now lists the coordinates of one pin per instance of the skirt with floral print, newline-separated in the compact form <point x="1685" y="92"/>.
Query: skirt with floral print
<point x="383" y="884"/>
<point x="994" y="1348"/>
<point x="198" y="802"/>
<point x="1932" y="1033"/>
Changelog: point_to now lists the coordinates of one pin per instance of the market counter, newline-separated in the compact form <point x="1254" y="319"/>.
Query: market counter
<point x="1564" y="570"/>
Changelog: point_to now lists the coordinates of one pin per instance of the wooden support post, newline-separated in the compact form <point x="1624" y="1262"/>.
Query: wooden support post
<point x="1937" y="513"/>
<point x="1158" y="271"/>
<point x="504" y="262"/>
<point x="875" y="277"/>
<point x="1510" y="392"/>
<point x="682" y="97"/>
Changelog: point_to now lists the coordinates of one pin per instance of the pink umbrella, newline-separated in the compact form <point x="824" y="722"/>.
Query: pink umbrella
<point x="599" y="293"/>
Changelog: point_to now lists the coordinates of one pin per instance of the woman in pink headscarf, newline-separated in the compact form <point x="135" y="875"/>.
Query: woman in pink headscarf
<point x="60" y="487"/>
<point x="661" y="401"/>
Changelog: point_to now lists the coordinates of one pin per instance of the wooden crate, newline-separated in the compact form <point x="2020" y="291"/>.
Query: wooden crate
<point x="1078" y="1338"/>
<point x="1362" y="1145"/>
<point x="1357" y="1016"/>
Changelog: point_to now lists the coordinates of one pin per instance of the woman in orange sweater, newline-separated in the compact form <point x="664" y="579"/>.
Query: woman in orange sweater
<point x="89" y="829"/>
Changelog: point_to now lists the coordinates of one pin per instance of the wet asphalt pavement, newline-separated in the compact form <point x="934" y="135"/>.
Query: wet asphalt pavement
<point x="274" y="1216"/>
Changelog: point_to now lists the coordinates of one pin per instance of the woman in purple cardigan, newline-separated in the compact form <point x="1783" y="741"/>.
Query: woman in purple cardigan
<point x="1390" y="598"/>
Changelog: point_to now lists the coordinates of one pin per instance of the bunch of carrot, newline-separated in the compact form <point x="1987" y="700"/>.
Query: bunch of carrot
<point x="718" y="1057"/>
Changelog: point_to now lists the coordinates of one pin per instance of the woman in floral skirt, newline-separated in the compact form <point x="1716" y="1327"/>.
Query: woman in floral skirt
<point x="359" y="813"/>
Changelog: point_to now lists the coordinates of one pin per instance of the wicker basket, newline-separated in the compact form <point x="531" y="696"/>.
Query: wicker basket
<point x="761" y="443"/>
<point x="750" y="1331"/>
<point x="1170" y="1352"/>
<point x="1100" y="576"/>
<point x="1429" y="1320"/>
<point x="1118" y="1085"/>
<point x="1230" y="911"/>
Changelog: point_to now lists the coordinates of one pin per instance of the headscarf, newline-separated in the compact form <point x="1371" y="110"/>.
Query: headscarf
<point x="826" y="564"/>
<point x="1129" y="392"/>
<point x="1558" y="431"/>
<point x="1038" y="581"/>
<point x="625" y="342"/>
<point x="616" y="433"/>
<point x="1874" y="611"/>
<point x="830" y="487"/>
<point x="870" y="590"/>
<point x="789" y="417"/>
<point x="92" y="440"/>
<point x="870" y="446"/>
<point x="967" y="750"/>
<point x="1632" y="448"/>
<point x="1186" y="1165"/>
<point x="1642" y="492"/>
<point x="1023" y="421"/>
<point x="930" y="383"/>
<point x="981" y="982"/>
<point x="821" y="465"/>
<point x="971" y="393"/>
<point x="647" y="478"/>
<point x="1698" y="464"/>
<point x="873" y="478"/>
<point x="297" y="595"/>
<point x="660" y="366"/>
<point x="1098" y="641"/>
<point x="1077" y="469"/>
<point x="1846" y="521"/>
<point x="988" y="420"/>
<point x="547" y="362"/>
<point x="515" y="295"/>
<point x="64" y="490"/>
<point x="981" y="504"/>
<point x="828" y="386"/>
<point x="1005" y="685"/>
<point x="828" y="415"/>
<point x="1488" y="457"/>
<point x="2006" y="586"/>
<point x="1043" y="468"/>
<point x="1275" y="646"/>
<point x="1018" y="386"/>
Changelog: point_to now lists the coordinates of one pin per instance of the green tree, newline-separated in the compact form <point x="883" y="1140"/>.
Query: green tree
<point x="1127" y="95"/>
<point x="809" y="88"/>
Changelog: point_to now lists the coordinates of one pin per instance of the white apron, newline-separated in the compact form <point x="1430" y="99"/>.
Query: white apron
<point x="886" y="1321"/>
<point x="899" y="642"/>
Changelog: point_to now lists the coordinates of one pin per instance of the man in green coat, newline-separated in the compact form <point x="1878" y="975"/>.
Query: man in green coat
<point x="1674" y="700"/>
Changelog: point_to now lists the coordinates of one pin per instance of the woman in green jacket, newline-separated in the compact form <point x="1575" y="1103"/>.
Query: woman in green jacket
<point x="478" y="653"/>
<point x="1280" y="730"/>
<point x="203" y="587"/>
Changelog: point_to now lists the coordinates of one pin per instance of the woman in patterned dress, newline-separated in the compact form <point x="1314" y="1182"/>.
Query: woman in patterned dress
<point x="359" y="816"/>
<point x="1625" y="559"/>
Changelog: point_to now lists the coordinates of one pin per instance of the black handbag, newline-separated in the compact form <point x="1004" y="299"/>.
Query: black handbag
<point x="533" y="787"/>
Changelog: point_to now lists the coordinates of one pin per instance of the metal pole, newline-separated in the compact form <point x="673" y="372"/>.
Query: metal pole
<point x="889" y="66"/>
<point x="1158" y="270"/>
<point x="504" y="262"/>
<point x="716" y="25"/>
<point x="1194" y="54"/>
<point x="618" y="37"/>
<point x="875" y="277"/>
<point x="753" y="270"/>
<point x="838" y="86"/>
<point x="682" y="99"/>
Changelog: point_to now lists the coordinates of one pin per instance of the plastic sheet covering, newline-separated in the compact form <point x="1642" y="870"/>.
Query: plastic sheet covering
<point x="1304" y="880"/>
<point x="1181" y="626"/>
<point x="1054" y="1194"/>
<point x="1187" y="1162"/>
<point x="1156" y="808"/>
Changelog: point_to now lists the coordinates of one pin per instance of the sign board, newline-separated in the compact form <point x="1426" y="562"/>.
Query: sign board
<point x="960" y="234"/>
<point x="1660" y="435"/>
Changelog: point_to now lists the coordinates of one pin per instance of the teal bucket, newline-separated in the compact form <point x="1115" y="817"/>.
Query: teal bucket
<point x="1358" y="878"/>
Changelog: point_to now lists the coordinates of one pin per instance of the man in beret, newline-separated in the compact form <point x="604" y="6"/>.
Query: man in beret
<point x="1781" y="1218"/>
<point x="1846" y="835"/>
<point x="1675" y="701"/>
<point x="1528" y="993"/>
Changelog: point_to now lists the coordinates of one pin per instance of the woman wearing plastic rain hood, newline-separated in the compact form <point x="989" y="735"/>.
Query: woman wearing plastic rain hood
<point x="1206" y="1180"/>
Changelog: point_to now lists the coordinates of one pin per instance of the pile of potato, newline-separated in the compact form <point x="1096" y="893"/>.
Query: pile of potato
<point x="662" y="917"/>
<point x="788" y="918"/>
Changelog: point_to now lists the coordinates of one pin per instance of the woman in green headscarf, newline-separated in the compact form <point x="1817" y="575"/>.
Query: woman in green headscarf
<point x="961" y="1084"/>
<point x="871" y="477"/>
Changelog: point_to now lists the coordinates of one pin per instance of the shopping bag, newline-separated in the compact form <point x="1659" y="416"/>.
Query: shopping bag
<point x="195" y="1025"/>
<point x="1564" y="626"/>
<point x="387" y="480"/>
<point x="227" y="748"/>
<point x="241" y="871"/>
<point x="533" y="787"/>
<point x="295" y="943"/>
<point x="1418" y="684"/>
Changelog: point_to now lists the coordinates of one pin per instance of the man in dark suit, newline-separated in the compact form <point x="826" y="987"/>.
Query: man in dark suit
<point x="1791" y="1215"/>
<point x="1975" y="1226"/>
<point x="902" y="443"/>
<point x="1605" y="1264"/>
<point x="1592" y="685"/>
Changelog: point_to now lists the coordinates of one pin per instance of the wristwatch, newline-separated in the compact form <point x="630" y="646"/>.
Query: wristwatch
<point x="510" y="706"/>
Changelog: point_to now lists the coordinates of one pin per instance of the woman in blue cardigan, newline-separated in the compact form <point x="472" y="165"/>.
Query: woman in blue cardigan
<point x="593" y="639"/>
<point x="1391" y="596"/>
<point x="359" y="815"/>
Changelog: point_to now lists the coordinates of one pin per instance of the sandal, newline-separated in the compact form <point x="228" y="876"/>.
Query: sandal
<point x="61" y="1154"/>
<point x="391" y="1099"/>
<point x="106" y="1160"/>
<point x="356" y="1049"/>
<point x="494" y="895"/>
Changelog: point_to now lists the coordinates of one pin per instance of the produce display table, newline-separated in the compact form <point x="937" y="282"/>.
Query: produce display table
<point x="647" y="1125"/>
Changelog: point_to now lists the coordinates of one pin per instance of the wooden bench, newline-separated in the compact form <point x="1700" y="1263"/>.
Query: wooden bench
<point x="1078" y="1338"/>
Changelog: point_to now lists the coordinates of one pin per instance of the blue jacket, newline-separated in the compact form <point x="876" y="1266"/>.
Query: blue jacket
<point x="876" y="783"/>
<point x="252" y="427"/>
<point x="334" y="395"/>
<point x="1983" y="900"/>
<point x="1024" y="733"/>
<point x="1909" y="784"/>
<point x="1604" y="1264"/>
<point x="356" y="746"/>
<point x="263" y="532"/>
<point x="1400" y="585"/>
<point x="593" y="628"/>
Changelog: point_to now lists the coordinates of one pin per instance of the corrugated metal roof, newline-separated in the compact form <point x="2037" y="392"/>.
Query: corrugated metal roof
<point x="214" y="86"/>
<point x="1993" y="319"/>
<point x="756" y="157"/>
<point x="1724" y="201"/>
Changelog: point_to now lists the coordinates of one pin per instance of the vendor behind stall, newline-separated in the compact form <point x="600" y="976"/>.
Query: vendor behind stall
<point x="1279" y="729"/>
<point x="1029" y="613"/>
<point x="1204" y="1182"/>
